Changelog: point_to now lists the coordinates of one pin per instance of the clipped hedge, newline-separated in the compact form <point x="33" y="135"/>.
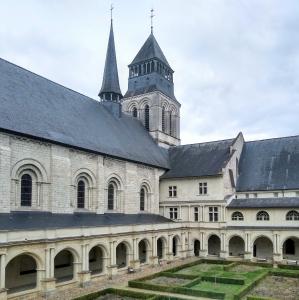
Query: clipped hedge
<point x="226" y="280"/>
<point x="284" y="273"/>
<point x="250" y="286"/>
<point x="229" y="266"/>
<point x="194" y="263"/>
<point x="113" y="291"/>
<point x="181" y="276"/>
<point x="192" y="283"/>
<point x="289" y="267"/>
<point x="259" y="298"/>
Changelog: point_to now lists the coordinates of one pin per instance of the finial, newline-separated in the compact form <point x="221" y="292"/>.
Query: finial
<point x="152" y="16"/>
<point x="111" y="12"/>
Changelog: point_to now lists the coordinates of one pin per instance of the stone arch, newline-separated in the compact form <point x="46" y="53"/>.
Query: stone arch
<point x="147" y="194"/>
<point x="113" y="192"/>
<point x="85" y="173"/>
<point x="290" y="248"/>
<point x="161" y="247"/>
<point x="97" y="256"/>
<point x="175" y="245"/>
<point x="236" y="246"/>
<point x="143" y="250"/>
<point x="196" y="247"/>
<point x="214" y="245"/>
<point x="145" y="101"/>
<point x="21" y="273"/>
<point x="123" y="254"/>
<point x="263" y="247"/>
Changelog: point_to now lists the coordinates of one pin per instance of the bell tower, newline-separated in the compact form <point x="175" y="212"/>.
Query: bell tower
<point x="150" y="95"/>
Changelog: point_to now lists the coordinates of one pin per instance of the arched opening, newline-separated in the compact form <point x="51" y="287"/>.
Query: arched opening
<point x="161" y="248"/>
<point x="292" y="215"/>
<point x="263" y="248"/>
<point x="134" y="112"/>
<point x="262" y="216"/>
<point x="20" y="274"/>
<point x="146" y="117"/>
<point x="163" y="119"/>
<point x="143" y="196"/>
<point x="175" y="245"/>
<point x="26" y="190"/>
<point x="143" y="251"/>
<point x="236" y="246"/>
<point x="111" y="195"/>
<point x="214" y="245"/>
<point x="64" y="266"/>
<point x="237" y="216"/>
<point x="170" y="124"/>
<point x="122" y="255"/>
<point x="196" y="247"/>
<point x="81" y="194"/>
<point x="291" y="248"/>
<point x="96" y="260"/>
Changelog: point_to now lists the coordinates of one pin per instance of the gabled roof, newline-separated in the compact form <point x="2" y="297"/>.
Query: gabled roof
<point x="46" y="220"/>
<point x="196" y="160"/>
<point x="271" y="164"/>
<point x="110" y="82"/>
<point x="281" y="202"/>
<point x="150" y="50"/>
<point x="36" y="107"/>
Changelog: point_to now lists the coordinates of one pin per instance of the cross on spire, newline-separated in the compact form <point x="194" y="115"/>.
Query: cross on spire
<point x="111" y="11"/>
<point x="152" y="17"/>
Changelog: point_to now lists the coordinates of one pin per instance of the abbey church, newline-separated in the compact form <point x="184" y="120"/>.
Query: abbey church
<point x="90" y="187"/>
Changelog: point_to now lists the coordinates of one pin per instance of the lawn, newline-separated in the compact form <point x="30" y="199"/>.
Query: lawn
<point x="199" y="268"/>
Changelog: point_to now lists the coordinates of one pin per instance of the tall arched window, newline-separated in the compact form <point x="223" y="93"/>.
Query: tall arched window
<point x="170" y="124"/>
<point x="111" y="196"/>
<point x="81" y="194"/>
<point x="237" y="216"/>
<point x="163" y="119"/>
<point x="142" y="198"/>
<point x="292" y="215"/>
<point x="146" y="117"/>
<point x="134" y="112"/>
<point x="26" y="190"/>
<point x="262" y="216"/>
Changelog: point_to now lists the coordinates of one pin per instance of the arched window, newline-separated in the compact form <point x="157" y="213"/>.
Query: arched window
<point x="146" y="117"/>
<point x="163" y="119"/>
<point x="81" y="194"/>
<point x="237" y="216"/>
<point x="292" y="215"/>
<point x="111" y="196"/>
<point x="134" y="112"/>
<point x="170" y="124"/>
<point x="142" y="198"/>
<point x="262" y="216"/>
<point x="26" y="190"/>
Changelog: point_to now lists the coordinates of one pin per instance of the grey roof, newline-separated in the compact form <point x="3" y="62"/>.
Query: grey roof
<point x="271" y="164"/>
<point x="279" y="202"/>
<point x="150" y="50"/>
<point x="45" y="220"/>
<point x="110" y="78"/>
<point x="39" y="108"/>
<point x="195" y="160"/>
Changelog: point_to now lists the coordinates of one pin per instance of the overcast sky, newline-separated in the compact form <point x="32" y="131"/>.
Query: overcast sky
<point x="236" y="62"/>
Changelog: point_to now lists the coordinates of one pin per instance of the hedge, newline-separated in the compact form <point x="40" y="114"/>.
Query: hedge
<point x="259" y="298"/>
<point x="192" y="283"/>
<point x="178" y="290"/>
<point x="229" y="266"/>
<point x="112" y="291"/>
<point x="289" y="267"/>
<point x="250" y="286"/>
<point x="226" y="280"/>
<point x="181" y="276"/>
<point x="284" y="273"/>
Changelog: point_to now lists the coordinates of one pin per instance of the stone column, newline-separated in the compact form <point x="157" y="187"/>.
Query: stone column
<point x="248" y="250"/>
<point x="3" y="290"/>
<point x="48" y="283"/>
<point x="135" y="262"/>
<point x="183" y="245"/>
<point x="170" y="254"/>
<point x="84" y="274"/>
<point x="224" y="246"/>
<point x="189" y="249"/>
<point x="112" y="267"/>
<point x="203" y="247"/>
<point x="154" y="257"/>
<point x="277" y="250"/>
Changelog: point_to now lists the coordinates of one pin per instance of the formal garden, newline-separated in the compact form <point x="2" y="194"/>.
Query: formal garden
<point x="215" y="280"/>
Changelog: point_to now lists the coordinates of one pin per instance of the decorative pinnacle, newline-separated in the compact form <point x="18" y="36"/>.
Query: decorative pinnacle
<point x="111" y="12"/>
<point x="152" y="17"/>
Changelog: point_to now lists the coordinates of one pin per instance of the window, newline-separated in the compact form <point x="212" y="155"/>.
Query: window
<point x="262" y="216"/>
<point x="203" y="188"/>
<point x="213" y="214"/>
<point x="276" y="194"/>
<point x="163" y="119"/>
<point x="172" y="191"/>
<point x="142" y="199"/>
<point x="134" y="112"/>
<point x="170" y="124"/>
<point x="255" y="195"/>
<point x="81" y="194"/>
<point x="196" y="214"/>
<point x="26" y="190"/>
<point x="111" y="196"/>
<point x="292" y="215"/>
<point x="146" y="117"/>
<point x="237" y="216"/>
<point x="247" y="195"/>
<point x="173" y="213"/>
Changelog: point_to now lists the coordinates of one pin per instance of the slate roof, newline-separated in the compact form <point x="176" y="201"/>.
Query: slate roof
<point x="271" y="164"/>
<point x="196" y="160"/>
<point x="279" y="202"/>
<point x="36" y="107"/>
<point x="45" y="220"/>
<point x="150" y="50"/>
<point x="110" y="78"/>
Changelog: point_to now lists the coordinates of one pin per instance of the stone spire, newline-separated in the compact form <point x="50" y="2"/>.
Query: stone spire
<point x="110" y="90"/>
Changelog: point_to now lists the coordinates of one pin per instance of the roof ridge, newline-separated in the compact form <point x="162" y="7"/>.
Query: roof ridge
<point x="274" y="138"/>
<point x="47" y="79"/>
<point x="209" y="142"/>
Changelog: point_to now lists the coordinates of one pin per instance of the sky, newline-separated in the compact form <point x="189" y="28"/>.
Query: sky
<point x="236" y="62"/>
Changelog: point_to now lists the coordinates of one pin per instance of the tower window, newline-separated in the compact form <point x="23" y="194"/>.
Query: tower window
<point x="163" y="119"/>
<point x="170" y="123"/>
<point x="146" y="117"/>
<point x="134" y="112"/>
<point x="26" y="190"/>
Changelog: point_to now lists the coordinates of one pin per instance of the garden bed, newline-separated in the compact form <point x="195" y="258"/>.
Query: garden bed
<point x="171" y="281"/>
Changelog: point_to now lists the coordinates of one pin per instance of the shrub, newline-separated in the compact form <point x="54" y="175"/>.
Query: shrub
<point x="289" y="267"/>
<point x="226" y="280"/>
<point x="258" y="298"/>
<point x="284" y="273"/>
<point x="182" y="276"/>
<point x="229" y="266"/>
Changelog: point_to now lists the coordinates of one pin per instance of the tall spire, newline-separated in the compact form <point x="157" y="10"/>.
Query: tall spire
<point x="152" y="17"/>
<point x="110" y="90"/>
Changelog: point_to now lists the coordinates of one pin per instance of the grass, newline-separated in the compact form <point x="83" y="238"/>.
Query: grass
<point x="198" y="269"/>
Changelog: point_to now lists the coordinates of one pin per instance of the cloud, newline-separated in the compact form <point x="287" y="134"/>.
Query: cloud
<point x="236" y="62"/>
